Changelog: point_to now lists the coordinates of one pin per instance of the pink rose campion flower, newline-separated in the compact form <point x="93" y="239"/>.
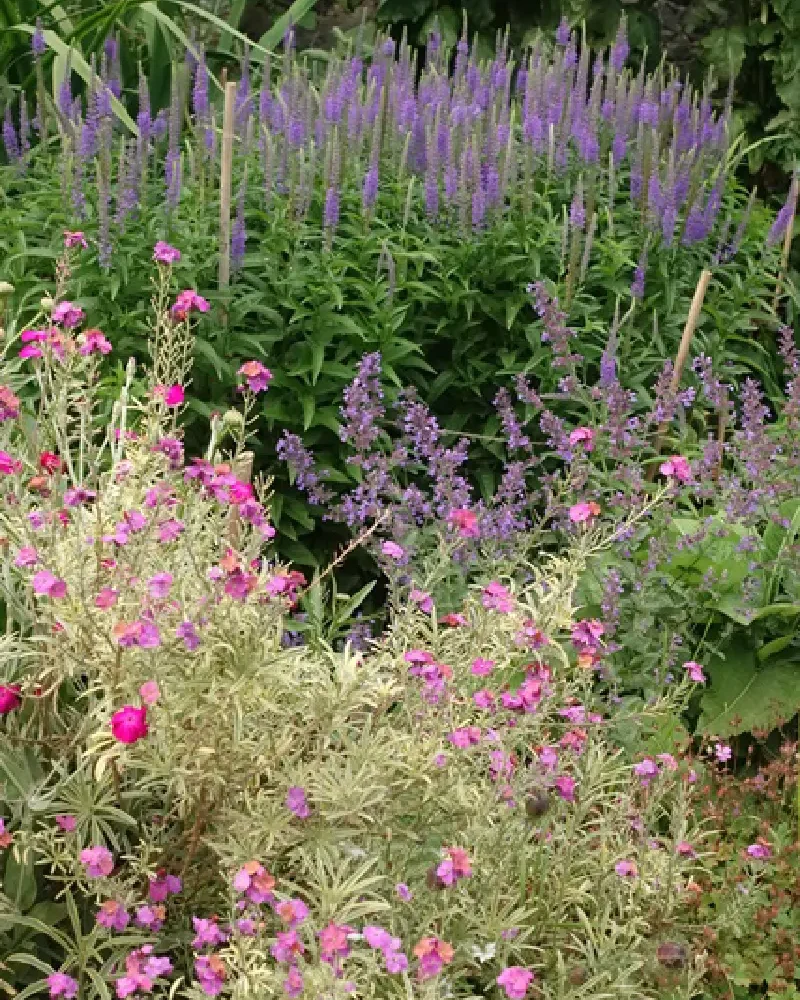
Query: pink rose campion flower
<point x="158" y="586"/>
<point x="9" y="698"/>
<point x="163" y="253"/>
<point x="292" y="912"/>
<point x="62" y="985"/>
<point x="67" y="823"/>
<point x="455" y="866"/>
<point x="333" y="942"/>
<point x="174" y="395"/>
<point x="151" y="918"/>
<point x="74" y="239"/>
<point x="676" y="467"/>
<point x="496" y="597"/>
<point x="129" y="724"/>
<point x="68" y="315"/>
<point x="47" y="585"/>
<point x="98" y="861"/>
<point x="293" y="985"/>
<point x="296" y="802"/>
<point x="149" y="692"/>
<point x="106" y="598"/>
<point x="685" y="850"/>
<point x="694" y="671"/>
<point x="393" y="551"/>
<point x="207" y="933"/>
<point x="26" y="557"/>
<point x="287" y="945"/>
<point x="515" y="980"/>
<point x="584" y="436"/>
<point x="211" y="974"/>
<point x="760" y="851"/>
<point x="584" y="513"/>
<point x="423" y="600"/>
<point x="256" y="375"/>
<point x="9" y="466"/>
<point x="626" y="869"/>
<point x="465" y="522"/>
<point x="565" y="787"/>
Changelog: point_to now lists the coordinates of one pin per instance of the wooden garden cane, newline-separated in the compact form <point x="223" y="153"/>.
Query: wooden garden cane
<point x="682" y="355"/>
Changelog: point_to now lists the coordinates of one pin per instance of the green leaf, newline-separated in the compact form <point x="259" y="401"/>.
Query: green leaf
<point x="19" y="880"/>
<point x="742" y="698"/>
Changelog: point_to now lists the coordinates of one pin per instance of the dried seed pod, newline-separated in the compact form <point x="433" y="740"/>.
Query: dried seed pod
<point x="577" y="975"/>
<point x="672" y="954"/>
<point x="537" y="803"/>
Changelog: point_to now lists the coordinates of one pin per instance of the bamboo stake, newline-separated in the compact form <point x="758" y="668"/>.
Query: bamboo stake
<point x="683" y="353"/>
<point x="787" y="242"/>
<point x="226" y="170"/>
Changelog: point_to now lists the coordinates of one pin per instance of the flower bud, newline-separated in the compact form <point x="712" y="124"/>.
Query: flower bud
<point x="46" y="303"/>
<point x="232" y="420"/>
<point x="672" y="954"/>
<point x="6" y="289"/>
<point x="577" y="975"/>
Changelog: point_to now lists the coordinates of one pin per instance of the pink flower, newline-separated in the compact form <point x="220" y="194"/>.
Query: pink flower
<point x="113" y="916"/>
<point x="333" y="942"/>
<point x="396" y="961"/>
<point x="760" y="851"/>
<point x="676" y="467"/>
<point x="210" y="972"/>
<point x="455" y="866"/>
<point x="646" y="770"/>
<point x="255" y="881"/>
<point x="74" y="239"/>
<point x="91" y="341"/>
<point x="495" y="597"/>
<point x="189" y="301"/>
<point x="423" y="600"/>
<point x="9" y="466"/>
<point x="151" y="917"/>
<point x="106" y="598"/>
<point x="68" y="315"/>
<point x="44" y="583"/>
<point x="466" y="737"/>
<point x="584" y="436"/>
<point x="207" y="933"/>
<point x="149" y="692"/>
<point x="584" y="513"/>
<point x="6" y="839"/>
<point x="465" y="522"/>
<point x="515" y="980"/>
<point x="163" y="886"/>
<point x="292" y="911"/>
<point x="158" y="585"/>
<point x="481" y="667"/>
<point x="403" y="892"/>
<point x="685" y="850"/>
<point x="454" y="620"/>
<point x="26" y="557"/>
<point x="296" y="802"/>
<point x="565" y="787"/>
<point x="98" y="861"/>
<point x="694" y="672"/>
<point x="626" y="869"/>
<point x="484" y="699"/>
<point x="9" y="698"/>
<point x="722" y="752"/>
<point x="393" y="550"/>
<point x="67" y="823"/>
<point x="169" y="530"/>
<point x="9" y="404"/>
<point x="287" y="945"/>
<point x="293" y="985"/>
<point x="163" y="253"/>
<point x="174" y="395"/>
<point x="62" y="985"/>
<point x="433" y="955"/>
<point x="129" y="724"/>
<point x="256" y="375"/>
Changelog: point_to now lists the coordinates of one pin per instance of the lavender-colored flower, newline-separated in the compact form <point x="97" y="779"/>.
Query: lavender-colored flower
<point x="369" y="190"/>
<point x="238" y="234"/>
<point x="620" y="49"/>
<point x="563" y="33"/>
<point x="38" y="43"/>
<point x="331" y="220"/>
<point x="785" y="216"/>
<point x="637" y="286"/>
<point x="10" y="138"/>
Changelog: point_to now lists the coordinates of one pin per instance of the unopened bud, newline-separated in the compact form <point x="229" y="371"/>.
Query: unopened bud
<point x="6" y="289"/>
<point x="46" y="303"/>
<point x="232" y="420"/>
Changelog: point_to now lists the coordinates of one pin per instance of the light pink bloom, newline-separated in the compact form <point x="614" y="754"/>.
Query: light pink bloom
<point x="68" y="315"/>
<point x="189" y="301"/>
<point x="106" y="598"/>
<point x="67" y="823"/>
<point x="496" y="597"/>
<point x="583" y="513"/>
<point x="62" y="985"/>
<point x="296" y="802"/>
<point x="465" y="522"/>
<point x="98" y="861"/>
<point x="158" y="585"/>
<point x="626" y="869"/>
<point x="163" y="253"/>
<point x="722" y="752"/>
<point x="256" y="375"/>
<point x="584" y="436"/>
<point x="423" y="600"/>
<point x="685" y="850"/>
<point x="149" y="692"/>
<point x="91" y="341"/>
<point x="481" y="667"/>
<point x="676" y="467"/>
<point x="74" y="239"/>
<point x="759" y="851"/>
<point x="26" y="557"/>
<point x="113" y="916"/>
<point x="515" y="980"/>
<point x="393" y="550"/>
<point x="694" y="672"/>
<point x="45" y="583"/>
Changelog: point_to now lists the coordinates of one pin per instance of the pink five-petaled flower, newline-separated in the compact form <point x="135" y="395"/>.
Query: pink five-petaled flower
<point x="66" y="823"/>
<point x="149" y="692"/>
<point x="68" y="315"/>
<point x="98" y="861"/>
<point x="62" y="985"/>
<point x="515" y="980"/>
<point x="9" y="466"/>
<point x="403" y="892"/>
<point x="74" y="239"/>
<point x="465" y="523"/>
<point x="296" y="802"/>
<point x="393" y="551"/>
<point x="91" y="341"/>
<point x="189" y="301"/>
<point x="174" y="395"/>
<point x="293" y="984"/>
<point x="9" y="404"/>
<point x="496" y="597"/>
<point x="433" y="955"/>
<point x="48" y="585"/>
<point x="584" y="436"/>
<point x="584" y="513"/>
<point x="676" y="467"/>
<point x="129" y="724"/>
<point x="106" y="598"/>
<point x="287" y="945"/>
<point x="163" y="253"/>
<point x="256" y="375"/>
<point x="722" y="752"/>
<point x="694" y="672"/>
<point x="626" y="869"/>
<point x="760" y="851"/>
<point x="292" y="911"/>
<point x="646" y="770"/>
<point x="455" y="866"/>
<point x="565" y="787"/>
<point x="9" y="698"/>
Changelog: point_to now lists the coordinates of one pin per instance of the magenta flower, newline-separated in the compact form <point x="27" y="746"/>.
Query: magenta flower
<point x="158" y="586"/>
<point x="584" y="436"/>
<point x="676" y="467"/>
<point x="9" y="404"/>
<point x="565" y="787"/>
<point x="423" y="600"/>
<point x="255" y="881"/>
<point x="396" y="961"/>
<point x="75" y="239"/>
<point x="189" y="301"/>
<point x="292" y="912"/>
<point x="722" y="752"/>
<point x="465" y="522"/>
<point x="626" y="869"/>
<point x="481" y="667"/>
<point x="98" y="861"/>
<point x="293" y="985"/>
<point x="496" y="597"/>
<point x="760" y="851"/>
<point x="207" y="933"/>
<point x="113" y="916"/>
<point x="583" y="513"/>
<point x="9" y="698"/>
<point x="169" y="530"/>
<point x="465" y="737"/>
<point x="333" y="942"/>
<point x="694" y="672"/>
<point x="256" y="375"/>
<point x="163" y="253"/>
<point x="67" y="823"/>
<point x="685" y="850"/>
<point x="151" y="918"/>
<point x="646" y="770"/>
<point x="296" y="802"/>
<point x="484" y="699"/>
<point x="433" y="954"/>
<point x="62" y="985"/>
<point x="48" y="585"/>
<point x="93" y="341"/>
<point x="26" y="557"/>
<point x="163" y="886"/>
<point x="210" y="972"/>
<point x="129" y="724"/>
<point x="287" y="945"/>
<point x="174" y="395"/>
<point x="68" y="315"/>
<point x="393" y="550"/>
<point x="455" y="866"/>
<point x="515" y="980"/>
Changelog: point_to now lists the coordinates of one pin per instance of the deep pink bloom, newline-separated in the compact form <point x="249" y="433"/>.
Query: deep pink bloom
<point x="481" y="667"/>
<point x="404" y="892"/>
<point x="163" y="886"/>
<point x="169" y="530"/>
<point x="455" y="866"/>
<point x="694" y="672"/>
<point x="685" y="850"/>
<point x="207" y="933"/>
<point x="296" y="802"/>
<point x="68" y="315"/>
<point x="211" y="974"/>
<point x="129" y="724"/>
<point x="292" y="911"/>
<point x="8" y="465"/>
<point x="106" y="598"/>
<point x="293" y="985"/>
<point x="583" y="513"/>
<point x="91" y="341"/>
<point x="62" y="985"/>
<point x="484" y="699"/>
<point x="150" y="917"/>
<point x="760" y="851"/>
<point x="256" y="375"/>
<point x="287" y="945"/>
<point x="676" y="467"/>
<point x="722" y="752"/>
<point x="333" y="942"/>
<point x="9" y="698"/>
<point x="584" y="436"/>
<point x="163" y="253"/>
<point x="74" y="239"/>
<point x="174" y="395"/>
<point x="45" y="583"/>
<point x="496" y="597"/>
<point x="158" y="585"/>
<point x="67" y="823"/>
<point x="515" y="980"/>
<point x="565" y="787"/>
<point x="255" y="881"/>
<point x="466" y="737"/>
<point x="98" y="861"/>
<point x="626" y="869"/>
<point x="113" y="916"/>
<point x="189" y="301"/>
<point x="465" y="522"/>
